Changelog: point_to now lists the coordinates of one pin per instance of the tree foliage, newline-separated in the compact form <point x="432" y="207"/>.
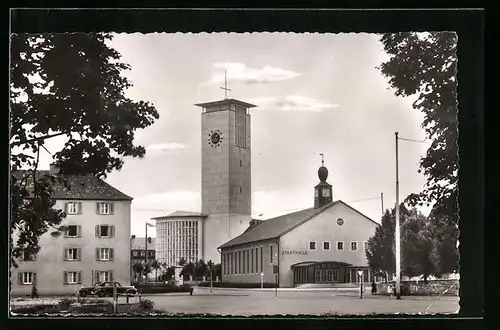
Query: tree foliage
<point x="425" y="65"/>
<point x="67" y="85"/>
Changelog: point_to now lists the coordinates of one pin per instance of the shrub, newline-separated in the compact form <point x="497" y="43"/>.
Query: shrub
<point x="146" y="304"/>
<point x="163" y="288"/>
<point x="65" y="303"/>
<point x="237" y="285"/>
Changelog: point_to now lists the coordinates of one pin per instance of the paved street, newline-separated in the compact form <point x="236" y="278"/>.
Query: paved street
<point x="249" y="302"/>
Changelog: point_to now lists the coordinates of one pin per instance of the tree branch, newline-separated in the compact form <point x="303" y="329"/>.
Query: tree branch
<point x="40" y="138"/>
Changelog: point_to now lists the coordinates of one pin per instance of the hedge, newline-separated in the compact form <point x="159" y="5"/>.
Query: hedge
<point x="162" y="288"/>
<point x="241" y="285"/>
<point x="431" y="288"/>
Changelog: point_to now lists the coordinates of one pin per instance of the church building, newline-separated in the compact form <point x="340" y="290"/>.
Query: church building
<point x="324" y="244"/>
<point x="226" y="188"/>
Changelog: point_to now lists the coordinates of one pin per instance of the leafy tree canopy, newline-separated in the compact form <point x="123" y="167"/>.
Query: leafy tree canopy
<point x="65" y="85"/>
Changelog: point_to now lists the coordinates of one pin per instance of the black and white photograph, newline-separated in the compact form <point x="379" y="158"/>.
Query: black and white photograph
<point x="234" y="174"/>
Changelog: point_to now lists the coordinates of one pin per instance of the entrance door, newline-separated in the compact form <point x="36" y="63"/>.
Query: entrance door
<point x="317" y="276"/>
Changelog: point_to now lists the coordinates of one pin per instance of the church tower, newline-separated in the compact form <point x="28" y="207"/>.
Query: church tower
<point x="226" y="172"/>
<point x="323" y="192"/>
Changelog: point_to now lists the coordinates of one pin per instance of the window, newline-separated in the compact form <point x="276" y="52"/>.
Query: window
<point x="72" y="208"/>
<point x="243" y="268"/>
<point x="240" y="266"/>
<point x="354" y="246"/>
<point x="134" y="253"/>
<point x="256" y="260"/>
<point x="326" y="245"/>
<point x="271" y="254"/>
<point x="73" y="231"/>
<point x="105" y="208"/>
<point x="143" y="253"/>
<point x="251" y="261"/>
<point x="104" y="254"/>
<point x="248" y="261"/>
<point x="72" y="277"/>
<point x="340" y="246"/>
<point x="104" y="276"/>
<point x="312" y="245"/>
<point x="104" y="231"/>
<point x="27" y="256"/>
<point x="27" y="278"/>
<point x="72" y="254"/>
<point x="365" y="245"/>
<point x="241" y="163"/>
<point x="261" y="259"/>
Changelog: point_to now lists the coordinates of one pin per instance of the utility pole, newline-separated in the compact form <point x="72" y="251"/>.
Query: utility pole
<point x="382" y="201"/>
<point x="398" y="234"/>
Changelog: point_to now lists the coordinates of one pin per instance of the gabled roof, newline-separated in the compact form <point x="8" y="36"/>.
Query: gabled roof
<point x="178" y="214"/>
<point x="276" y="227"/>
<point x="86" y="187"/>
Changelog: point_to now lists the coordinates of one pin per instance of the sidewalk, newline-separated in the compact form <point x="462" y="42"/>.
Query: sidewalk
<point x="284" y="289"/>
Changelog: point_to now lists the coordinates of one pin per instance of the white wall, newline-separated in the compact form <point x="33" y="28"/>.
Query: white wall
<point x="50" y="263"/>
<point x="324" y="227"/>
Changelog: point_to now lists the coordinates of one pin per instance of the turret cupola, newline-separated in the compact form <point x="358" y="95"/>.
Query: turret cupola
<point x="323" y="193"/>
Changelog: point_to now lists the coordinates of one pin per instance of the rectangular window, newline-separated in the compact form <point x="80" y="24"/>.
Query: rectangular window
<point x="72" y="277"/>
<point x="134" y="253"/>
<point x="312" y="245"/>
<point x="240" y="127"/>
<point x="243" y="268"/>
<point x="251" y="261"/>
<point x="366" y="276"/>
<point x="72" y="231"/>
<point x="72" y="208"/>
<point x="261" y="259"/>
<point x="73" y="254"/>
<point x="27" y="256"/>
<point x="365" y="245"/>
<point x="326" y="246"/>
<point x="27" y="278"/>
<point x="340" y="246"/>
<point x="105" y="208"/>
<point x="143" y="253"/>
<point x="104" y="276"/>
<point x="354" y="246"/>
<point x="104" y="254"/>
<point x="271" y="254"/>
<point x="256" y="260"/>
<point x="240" y="264"/>
<point x="104" y="231"/>
<point x="248" y="261"/>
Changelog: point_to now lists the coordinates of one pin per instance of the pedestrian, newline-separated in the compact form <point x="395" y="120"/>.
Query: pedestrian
<point x="374" y="288"/>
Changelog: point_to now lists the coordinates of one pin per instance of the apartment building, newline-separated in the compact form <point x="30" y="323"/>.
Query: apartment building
<point x="95" y="247"/>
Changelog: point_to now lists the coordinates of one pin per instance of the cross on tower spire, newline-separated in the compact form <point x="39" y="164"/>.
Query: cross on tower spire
<point x="322" y="160"/>
<point x="225" y="84"/>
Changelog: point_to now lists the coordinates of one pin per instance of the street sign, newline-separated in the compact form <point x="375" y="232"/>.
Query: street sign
<point x="360" y="272"/>
<point x="261" y="274"/>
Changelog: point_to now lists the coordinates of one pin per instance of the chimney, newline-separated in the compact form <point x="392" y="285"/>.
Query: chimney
<point x="54" y="169"/>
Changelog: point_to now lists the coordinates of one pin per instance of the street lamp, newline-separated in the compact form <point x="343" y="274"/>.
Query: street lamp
<point x="277" y="268"/>
<point x="132" y="238"/>
<point x="397" y="229"/>
<point x="146" y="247"/>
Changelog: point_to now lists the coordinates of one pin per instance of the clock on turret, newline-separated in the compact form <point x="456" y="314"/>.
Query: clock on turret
<point x="326" y="192"/>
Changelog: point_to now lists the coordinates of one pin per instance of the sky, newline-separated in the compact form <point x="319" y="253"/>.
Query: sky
<point x="315" y="93"/>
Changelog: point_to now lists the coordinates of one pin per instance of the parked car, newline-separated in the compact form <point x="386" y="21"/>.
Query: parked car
<point x="105" y="289"/>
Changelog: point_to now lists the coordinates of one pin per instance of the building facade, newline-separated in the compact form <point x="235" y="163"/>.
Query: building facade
<point x="179" y="237"/>
<point x="94" y="248"/>
<point x="138" y="249"/>
<point x="325" y="244"/>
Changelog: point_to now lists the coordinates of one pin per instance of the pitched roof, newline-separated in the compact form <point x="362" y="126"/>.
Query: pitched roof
<point x="278" y="226"/>
<point x="86" y="187"/>
<point x="178" y="214"/>
<point x="139" y="243"/>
